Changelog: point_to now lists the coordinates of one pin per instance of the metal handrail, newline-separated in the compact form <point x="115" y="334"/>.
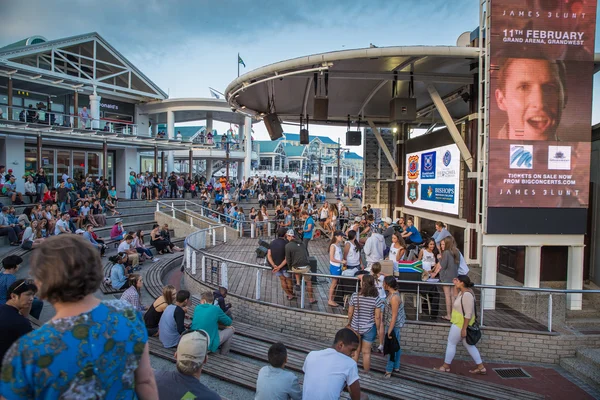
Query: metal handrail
<point x="130" y="127"/>
<point x="174" y="210"/>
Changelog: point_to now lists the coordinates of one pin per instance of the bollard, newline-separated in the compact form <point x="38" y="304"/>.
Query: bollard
<point x="258" y="275"/>
<point x="203" y="268"/>
<point x="302" y="290"/>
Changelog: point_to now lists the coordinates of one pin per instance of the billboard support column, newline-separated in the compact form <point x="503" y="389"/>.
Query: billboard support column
<point x="489" y="268"/>
<point x="533" y="262"/>
<point x="441" y="107"/>
<point x="575" y="277"/>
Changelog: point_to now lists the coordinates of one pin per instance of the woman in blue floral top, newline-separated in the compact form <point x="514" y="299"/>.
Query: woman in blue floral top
<point x="91" y="349"/>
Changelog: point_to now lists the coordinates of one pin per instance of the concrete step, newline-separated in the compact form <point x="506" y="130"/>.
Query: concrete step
<point x="590" y="356"/>
<point x="587" y="312"/>
<point x="145" y="226"/>
<point x="593" y="322"/>
<point x="584" y="370"/>
<point x="142" y="216"/>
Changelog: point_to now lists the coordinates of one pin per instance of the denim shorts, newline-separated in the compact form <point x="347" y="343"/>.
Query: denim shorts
<point x="335" y="270"/>
<point x="370" y="335"/>
<point x="283" y="272"/>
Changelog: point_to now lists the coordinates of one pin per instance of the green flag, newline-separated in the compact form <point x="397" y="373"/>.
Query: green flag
<point x="240" y="61"/>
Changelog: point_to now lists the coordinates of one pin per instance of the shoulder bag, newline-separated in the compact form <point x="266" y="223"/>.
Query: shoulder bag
<point x="473" y="331"/>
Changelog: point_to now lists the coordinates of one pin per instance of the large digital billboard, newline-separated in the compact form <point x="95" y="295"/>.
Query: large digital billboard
<point x="433" y="179"/>
<point x="541" y="72"/>
<point x="540" y="103"/>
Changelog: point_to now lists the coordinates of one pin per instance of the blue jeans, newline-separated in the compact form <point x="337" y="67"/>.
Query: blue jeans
<point x="391" y="365"/>
<point x="62" y="206"/>
<point x="133" y="192"/>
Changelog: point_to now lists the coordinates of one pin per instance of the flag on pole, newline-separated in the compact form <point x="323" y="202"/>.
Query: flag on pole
<point x="240" y="61"/>
<point x="214" y="94"/>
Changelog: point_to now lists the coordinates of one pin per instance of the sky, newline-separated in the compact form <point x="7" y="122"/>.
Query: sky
<point x="187" y="46"/>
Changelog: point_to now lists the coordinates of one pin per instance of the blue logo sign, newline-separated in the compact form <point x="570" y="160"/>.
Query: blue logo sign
<point x="428" y="165"/>
<point x="447" y="158"/>
<point x="438" y="193"/>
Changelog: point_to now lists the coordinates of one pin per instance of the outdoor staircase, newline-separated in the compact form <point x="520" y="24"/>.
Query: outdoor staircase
<point x="585" y="365"/>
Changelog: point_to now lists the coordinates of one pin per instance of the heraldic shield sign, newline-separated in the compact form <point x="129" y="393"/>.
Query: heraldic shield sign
<point x="413" y="191"/>
<point x="413" y="167"/>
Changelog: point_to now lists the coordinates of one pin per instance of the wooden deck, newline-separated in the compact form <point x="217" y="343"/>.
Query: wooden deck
<point x="242" y="282"/>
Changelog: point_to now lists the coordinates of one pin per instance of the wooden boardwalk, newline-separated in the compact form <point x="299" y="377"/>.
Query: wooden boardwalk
<point x="242" y="281"/>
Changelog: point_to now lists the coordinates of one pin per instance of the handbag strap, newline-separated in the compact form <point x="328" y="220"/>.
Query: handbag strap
<point x="474" y="305"/>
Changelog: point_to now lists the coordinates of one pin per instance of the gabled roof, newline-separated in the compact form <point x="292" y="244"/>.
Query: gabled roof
<point x="352" y="156"/>
<point x="295" y="137"/>
<point x="293" y="151"/>
<point x="186" y="131"/>
<point x="82" y="61"/>
<point x="268" y="146"/>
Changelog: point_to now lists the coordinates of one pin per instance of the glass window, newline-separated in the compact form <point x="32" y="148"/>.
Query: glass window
<point x="48" y="165"/>
<point x="78" y="165"/>
<point x="93" y="164"/>
<point x="110" y="165"/>
<point x="63" y="163"/>
<point x="31" y="160"/>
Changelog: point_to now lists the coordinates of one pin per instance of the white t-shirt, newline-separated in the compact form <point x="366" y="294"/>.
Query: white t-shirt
<point x="64" y="224"/>
<point x="326" y="373"/>
<point x="324" y="213"/>
<point x="353" y="257"/>
<point x="428" y="260"/>
<point x="124" y="246"/>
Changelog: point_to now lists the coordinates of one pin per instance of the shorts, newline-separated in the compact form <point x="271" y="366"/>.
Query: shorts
<point x="335" y="270"/>
<point x="284" y="273"/>
<point x="370" y="335"/>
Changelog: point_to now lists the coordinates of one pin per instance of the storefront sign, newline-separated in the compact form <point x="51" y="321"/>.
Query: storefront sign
<point x="432" y="178"/>
<point x="541" y="72"/>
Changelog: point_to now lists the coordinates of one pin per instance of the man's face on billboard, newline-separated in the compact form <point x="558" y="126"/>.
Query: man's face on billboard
<point x="533" y="99"/>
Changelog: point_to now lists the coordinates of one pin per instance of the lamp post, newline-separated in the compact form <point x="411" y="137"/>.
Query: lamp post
<point x="338" y="169"/>
<point x="319" y="165"/>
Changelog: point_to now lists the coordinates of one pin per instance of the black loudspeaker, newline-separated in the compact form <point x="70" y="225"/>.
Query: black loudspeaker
<point x="312" y="261"/>
<point x="304" y="136"/>
<point x="403" y="109"/>
<point x="273" y="126"/>
<point x="321" y="108"/>
<point x="261" y="252"/>
<point x="353" y="138"/>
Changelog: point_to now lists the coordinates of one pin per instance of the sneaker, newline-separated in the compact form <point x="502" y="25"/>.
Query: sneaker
<point x="155" y="259"/>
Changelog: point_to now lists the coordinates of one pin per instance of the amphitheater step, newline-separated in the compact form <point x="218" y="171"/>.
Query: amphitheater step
<point x="585" y="366"/>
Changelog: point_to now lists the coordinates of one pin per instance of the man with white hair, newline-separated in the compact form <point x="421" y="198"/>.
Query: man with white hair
<point x="192" y="354"/>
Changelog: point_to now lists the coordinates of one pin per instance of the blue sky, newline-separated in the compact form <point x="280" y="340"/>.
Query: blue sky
<point x="187" y="46"/>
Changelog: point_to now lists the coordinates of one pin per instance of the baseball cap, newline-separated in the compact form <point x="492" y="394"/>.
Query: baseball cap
<point x="79" y="231"/>
<point x="387" y="220"/>
<point x="291" y="232"/>
<point x="193" y="346"/>
<point x="21" y="286"/>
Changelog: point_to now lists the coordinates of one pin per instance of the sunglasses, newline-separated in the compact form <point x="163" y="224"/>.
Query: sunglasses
<point x="25" y="281"/>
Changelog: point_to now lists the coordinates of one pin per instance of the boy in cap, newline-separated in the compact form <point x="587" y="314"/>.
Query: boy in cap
<point x="185" y="383"/>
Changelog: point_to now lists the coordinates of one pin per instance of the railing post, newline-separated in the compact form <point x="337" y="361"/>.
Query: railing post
<point x="214" y="237"/>
<point x="194" y="263"/>
<point x="225" y="234"/>
<point x="269" y="228"/>
<point x="258" y="276"/>
<point x="418" y="300"/>
<point x="252" y="230"/>
<point x="224" y="279"/>
<point x="157" y="206"/>
<point x="173" y="208"/>
<point x="203" y="268"/>
<point x="188" y="256"/>
<point x="191" y="221"/>
<point x="550" y="313"/>
<point x="302" y="291"/>
<point x="185" y="205"/>
<point x="482" y="307"/>
<point x="241" y="229"/>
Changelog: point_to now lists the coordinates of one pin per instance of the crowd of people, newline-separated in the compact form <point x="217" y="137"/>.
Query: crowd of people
<point x="68" y="279"/>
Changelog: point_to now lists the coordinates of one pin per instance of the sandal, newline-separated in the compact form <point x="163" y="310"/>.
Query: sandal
<point x="387" y="375"/>
<point x="478" y="371"/>
<point x="442" y="369"/>
<point x="333" y="305"/>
